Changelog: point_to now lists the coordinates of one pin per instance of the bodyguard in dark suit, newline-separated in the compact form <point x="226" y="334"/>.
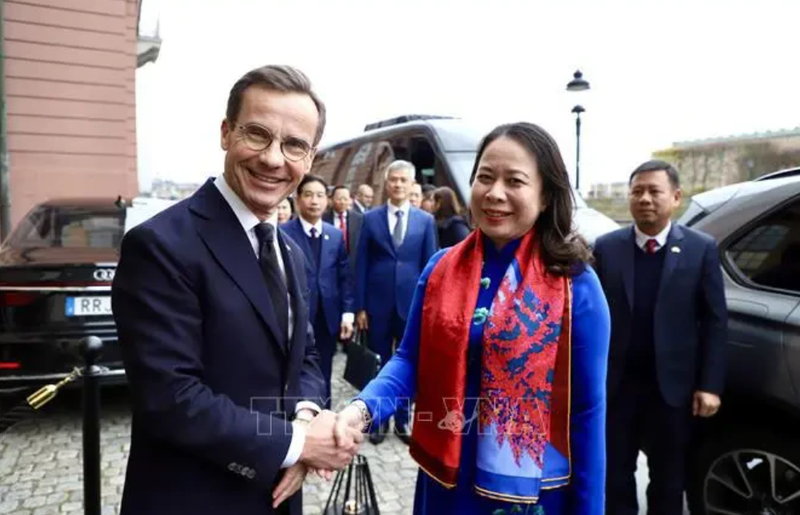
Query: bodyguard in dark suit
<point x="347" y="220"/>
<point x="668" y="330"/>
<point x="397" y="240"/>
<point x="211" y="303"/>
<point x="328" y="272"/>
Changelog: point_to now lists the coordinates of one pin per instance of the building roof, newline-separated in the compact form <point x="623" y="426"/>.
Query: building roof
<point x="739" y="138"/>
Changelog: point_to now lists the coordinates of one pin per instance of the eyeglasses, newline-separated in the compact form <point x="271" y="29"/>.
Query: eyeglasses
<point x="259" y="139"/>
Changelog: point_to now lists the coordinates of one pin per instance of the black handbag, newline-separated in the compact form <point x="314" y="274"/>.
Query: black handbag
<point x="358" y="496"/>
<point x="362" y="364"/>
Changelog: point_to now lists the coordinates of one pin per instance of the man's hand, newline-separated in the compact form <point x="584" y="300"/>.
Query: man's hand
<point x="346" y="331"/>
<point x="291" y="482"/>
<point x="362" y="321"/>
<point x="321" y="451"/>
<point x="705" y="404"/>
<point x="348" y="421"/>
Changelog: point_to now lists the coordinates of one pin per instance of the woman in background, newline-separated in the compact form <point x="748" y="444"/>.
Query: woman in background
<point x="285" y="210"/>
<point x="453" y="227"/>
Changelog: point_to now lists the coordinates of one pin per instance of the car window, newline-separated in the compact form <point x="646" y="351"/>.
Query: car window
<point x="769" y="253"/>
<point x="69" y="227"/>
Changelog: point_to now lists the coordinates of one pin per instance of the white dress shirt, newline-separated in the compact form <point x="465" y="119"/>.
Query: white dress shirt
<point x="347" y="318"/>
<point x="405" y="207"/>
<point x="661" y="238"/>
<point x="249" y="221"/>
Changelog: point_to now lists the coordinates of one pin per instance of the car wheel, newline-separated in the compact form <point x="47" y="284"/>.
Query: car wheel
<point x="749" y="473"/>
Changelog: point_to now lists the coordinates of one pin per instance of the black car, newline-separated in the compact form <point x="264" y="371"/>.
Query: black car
<point x="56" y="270"/>
<point x="748" y="456"/>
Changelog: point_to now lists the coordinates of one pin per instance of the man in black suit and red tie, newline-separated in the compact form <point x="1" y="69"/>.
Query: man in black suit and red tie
<point x="668" y="332"/>
<point x="347" y="219"/>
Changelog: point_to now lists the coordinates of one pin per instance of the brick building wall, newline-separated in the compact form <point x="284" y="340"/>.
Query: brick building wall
<point x="70" y="95"/>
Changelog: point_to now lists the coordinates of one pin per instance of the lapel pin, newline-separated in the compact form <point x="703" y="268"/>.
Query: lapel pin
<point x="676" y="250"/>
<point x="327" y="237"/>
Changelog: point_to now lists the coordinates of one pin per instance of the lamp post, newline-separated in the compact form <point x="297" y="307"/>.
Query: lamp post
<point x="578" y="83"/>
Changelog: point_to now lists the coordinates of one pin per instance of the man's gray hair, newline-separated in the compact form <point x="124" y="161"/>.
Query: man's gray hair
<point x="402" y="166"/>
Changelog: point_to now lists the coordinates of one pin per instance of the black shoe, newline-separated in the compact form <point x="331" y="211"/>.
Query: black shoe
<point x="403" y="432"/>
<point x="379" y="436"/>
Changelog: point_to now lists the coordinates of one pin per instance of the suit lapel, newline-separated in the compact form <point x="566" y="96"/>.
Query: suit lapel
<point x="293" y="285"/>
<point x="413" y="224"/>
<point x="626" y="259"/>
<point x="295" y="231"/>
<point x="225" y="238"/>
<point x="673" y="254"/>
<point x="325" y="246"/>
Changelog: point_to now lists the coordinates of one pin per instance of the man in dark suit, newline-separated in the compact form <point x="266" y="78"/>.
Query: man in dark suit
<point x="668" y="330"/>
<point x="328" y="272"/>
<point x="397" y="240"/>
<point x="211" y="307"/>
<point x="364" y="197"/>
<point x="347" y="220"/>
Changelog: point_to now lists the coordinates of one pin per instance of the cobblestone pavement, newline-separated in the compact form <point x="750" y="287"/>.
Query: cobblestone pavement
<point x="41" y="467"/>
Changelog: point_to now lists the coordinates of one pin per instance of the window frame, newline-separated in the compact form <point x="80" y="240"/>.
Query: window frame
<point x="730" y="266"/>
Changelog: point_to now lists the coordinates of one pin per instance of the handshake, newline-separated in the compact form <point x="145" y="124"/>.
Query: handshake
<point x="332" y="441"/>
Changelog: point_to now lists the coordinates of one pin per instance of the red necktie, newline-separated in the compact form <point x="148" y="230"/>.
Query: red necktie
<point x="343" y="228"/>
<point x="650" y="246"/>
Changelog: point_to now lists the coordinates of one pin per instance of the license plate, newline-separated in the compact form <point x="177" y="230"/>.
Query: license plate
<point x="88" y="306"/>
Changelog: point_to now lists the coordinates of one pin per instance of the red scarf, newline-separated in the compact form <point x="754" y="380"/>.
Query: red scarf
<point x="527" y="292"/>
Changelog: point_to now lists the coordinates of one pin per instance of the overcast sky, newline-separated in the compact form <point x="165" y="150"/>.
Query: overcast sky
<point x="659" y="71"/>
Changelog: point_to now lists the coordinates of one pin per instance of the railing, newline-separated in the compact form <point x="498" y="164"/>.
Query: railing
<point x="90" y="375"/>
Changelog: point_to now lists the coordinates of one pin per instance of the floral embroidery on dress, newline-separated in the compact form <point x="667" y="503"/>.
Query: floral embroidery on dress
<point x="480" y="316"/>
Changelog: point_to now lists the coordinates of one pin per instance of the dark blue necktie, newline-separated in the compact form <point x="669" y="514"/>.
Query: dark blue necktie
<point x="316" y="247"/>
<point x="268" y="259"/>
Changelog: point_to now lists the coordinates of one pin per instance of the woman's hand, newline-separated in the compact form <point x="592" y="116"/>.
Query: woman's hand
<point x="348" y="421"/>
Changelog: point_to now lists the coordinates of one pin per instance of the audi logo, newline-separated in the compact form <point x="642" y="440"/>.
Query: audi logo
<point x="104" y="274"/>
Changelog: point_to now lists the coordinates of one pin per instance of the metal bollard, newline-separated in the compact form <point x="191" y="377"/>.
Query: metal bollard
<point x="91" y="347"/>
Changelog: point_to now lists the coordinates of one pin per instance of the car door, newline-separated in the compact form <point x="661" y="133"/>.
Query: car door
<point x="763" y="292"/>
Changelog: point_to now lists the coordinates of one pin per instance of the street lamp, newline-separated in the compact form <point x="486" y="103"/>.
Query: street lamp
<point x="578" y="83"/>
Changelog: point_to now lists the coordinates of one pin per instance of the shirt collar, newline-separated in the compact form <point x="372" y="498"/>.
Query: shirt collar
<point x="336" y="215"/>
<point x="243" y="214"/>
<point x="404" y="208"/>
<point x="661" y="238"/>
<point x="308" y="225"/>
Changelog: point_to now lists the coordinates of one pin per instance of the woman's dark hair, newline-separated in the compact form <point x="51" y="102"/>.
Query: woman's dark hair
<point x="448" y="203"/>
<point x="563" y="250"/>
